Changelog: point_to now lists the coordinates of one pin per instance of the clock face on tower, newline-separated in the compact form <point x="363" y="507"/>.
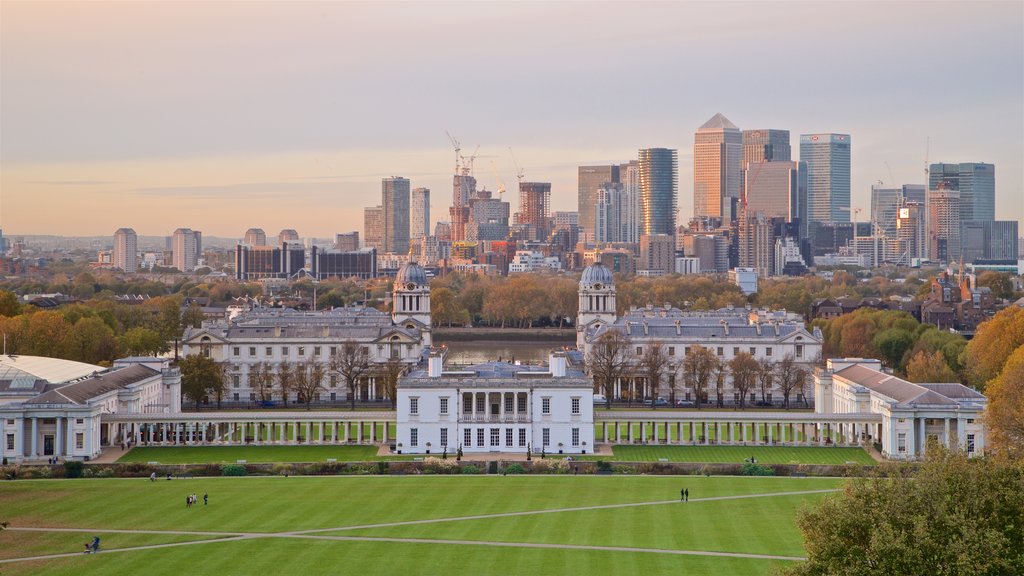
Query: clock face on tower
<point x="597" y="286"/>
<point x="410" y="286"/>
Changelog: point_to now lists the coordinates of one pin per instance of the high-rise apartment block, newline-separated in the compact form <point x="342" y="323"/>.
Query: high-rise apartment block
<point x="420" y="218"/>
<point x="717" y="158"/>
<point x="590" y="181"/>
<point x="828" y="176"/>
<point x="395" y="202"/>
<point x="126" y="250"/>
<point x="657" y="254"/>
<point x="658" y="175"/>
<point x="463" y="188"/>
<point x="187" y="248"/>
<point x="911" y="232"/>
<point x="976" y="182"/>
<point x="488" y="218"/>
<point x="255" y="237"/>
<point x="373" y="227"/>
<point x="943" y="224"/>
<point x="616" y="215"/>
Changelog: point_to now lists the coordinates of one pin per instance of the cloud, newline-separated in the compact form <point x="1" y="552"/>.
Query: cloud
<point x="72" y="182"/>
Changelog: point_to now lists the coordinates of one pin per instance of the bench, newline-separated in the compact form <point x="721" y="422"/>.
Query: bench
<point x="662" y="459"/>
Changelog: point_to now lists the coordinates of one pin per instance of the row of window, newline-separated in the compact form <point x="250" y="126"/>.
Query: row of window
<point x="79" y="441"/>
<point x="721" y="350"/>
<point x="545" y="405"/>
<point x="494" y="437"/>
<point x="268" y="351"/>
<point x="901" y="443"/>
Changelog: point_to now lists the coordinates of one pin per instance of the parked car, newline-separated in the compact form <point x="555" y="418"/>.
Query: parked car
<point x="763" y="404"/>
<point x="685" y="404"/>
<point x="659" y="402"/>
<point x="600" y="399"/>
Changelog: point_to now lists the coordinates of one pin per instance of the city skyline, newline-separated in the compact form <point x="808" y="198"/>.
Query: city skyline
<point x="100" y="131"/>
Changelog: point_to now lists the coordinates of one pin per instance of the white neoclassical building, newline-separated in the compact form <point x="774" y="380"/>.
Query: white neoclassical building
<point x="66" y="420"/>
<point x="912" y="414"/>
<point x="272" y="336"/>
<point x="496" y="407"/>
<point x="767" y="335"/>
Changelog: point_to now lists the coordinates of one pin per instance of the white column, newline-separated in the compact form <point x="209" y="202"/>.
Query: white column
<point x="771" y="428"/>
<point x="57" y="438"/>
<point x="961" y="433"/>
<point x="359" y="427"/>
<point x="945" y="432"/>
<point x="654" y="425"/>
<point x="629" y="430"/>
<point x="923" y="436"/>
<point x="706" y="439"/>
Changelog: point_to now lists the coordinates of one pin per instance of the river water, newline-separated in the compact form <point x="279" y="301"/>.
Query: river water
<point x="465" y="353"/>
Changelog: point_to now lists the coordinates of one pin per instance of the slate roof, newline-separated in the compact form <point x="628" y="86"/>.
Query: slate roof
<point x="902" y="391"/>
<point x="82" y="391"/>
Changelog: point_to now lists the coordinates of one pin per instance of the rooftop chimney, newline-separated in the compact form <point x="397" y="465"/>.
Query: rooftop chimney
<point x="435" y="365"/>
<point x="556" y="360"/>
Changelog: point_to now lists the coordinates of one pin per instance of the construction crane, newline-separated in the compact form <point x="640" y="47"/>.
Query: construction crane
<point x="458" y="150"/>
<point x="892" y="179"/>
<point x="519" y="169"/>
<point x="854" y="212"/>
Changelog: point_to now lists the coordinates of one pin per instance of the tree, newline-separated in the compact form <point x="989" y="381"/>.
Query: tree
<point x="994" y="341"/>
<point x="201" y="377"/>
<point x="652" y="365"/>
<point x="9" y="305"/>
<point x="285" y="379"/>
<point x="91" y="341"/>
<point x="998" y="282"/>
<point x="607" y="361"/>
<point x="765" y="378"/>
<point x="956" y="516"/>
<point x="744" y="369"/>
<point x="893" y="344"/>
<point x="308" y="380"/>
<point x="929" y="367"/>
<point x="445" y="310"/>
<point x="351" y="362"/>
<point x="142" y="341"/>
<point x="698" y="367"/>
<point x="192" y="316"/>
<point x="1004" y="415"/>
<point x="387" y="376"/>
<point x="788" y="375"/>
<point x="261" y="379"/>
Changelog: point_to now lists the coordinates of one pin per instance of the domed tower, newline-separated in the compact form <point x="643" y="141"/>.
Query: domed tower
<point x="597" y="300"/>
<point x="411" y="299"/>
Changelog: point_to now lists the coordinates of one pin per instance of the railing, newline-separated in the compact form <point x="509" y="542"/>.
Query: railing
<point x="493" y="418"/>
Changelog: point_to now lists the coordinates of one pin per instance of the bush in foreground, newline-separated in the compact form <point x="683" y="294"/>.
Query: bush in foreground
<point x="754" y="469"/>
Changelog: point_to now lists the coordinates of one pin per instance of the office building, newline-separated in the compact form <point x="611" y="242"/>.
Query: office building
<point x="658" y="175"/>
<point x="287" y="235"/>
<point x="187" y="249"/>
<point x="373" y="227"/>
<point x="395" y="202"/>
<point x="264" y="262"/>
<point x="776" y="189"/>
<point x="347" y="242"/>
<point x="657" y="254"/>
<point x="765" y="145"/>
<point x="343" y="263"/>
<point x="420" y="218"/>
<point x="487" y="218"/>
<point x="717" y="158"/>
<point x="615" y="219"/>
<point x="976" y="182"/>
<point x="126" y="250"/>
<point x="828" y="176"/>
<point x="943" y="225"/>
<point x="590" y="180"/>
<point x="988" y="240"/>
<point x="255" y="237"/>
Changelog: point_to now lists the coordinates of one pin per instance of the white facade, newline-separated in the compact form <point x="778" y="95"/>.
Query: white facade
<point x="745" y="278"/>
<point x="66" y="421"/>
<point x="496" y="408"/>
<point x="686" y="265"/>
<point x="126" y="250"/>
<point x="786" y="251"/>
<point x="912" y="414"/>
<point x="533" y="261"/>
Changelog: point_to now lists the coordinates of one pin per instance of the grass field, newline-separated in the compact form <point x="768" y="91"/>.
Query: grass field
<point x="737" y="454"/>
<point x="357" y="524"/>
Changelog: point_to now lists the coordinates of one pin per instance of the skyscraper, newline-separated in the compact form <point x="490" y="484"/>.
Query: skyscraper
<point x="463" y="188"/>
<point x="828" y="176"/>
<point x="775" y="189"/>
<point x="420" y="218"/>
<point x="395" y="202"/>
<point x="373" y="227"/>
<point x="976" y="182"/>
<point x="535" y="209"/>
<point x="187" y="247"/>
<point x="766" y="145"/>
<point x="717" y="156"/>
<point x="658" y="191"/>
<point x="590" y="180"/>
<point x="255" y="237"/>
<point x="943" y="224"/>
<point x="126" y="250"/>
<point x="885" y="205"/>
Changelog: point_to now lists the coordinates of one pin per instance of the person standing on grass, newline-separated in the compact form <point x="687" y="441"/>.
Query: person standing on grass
<point x="686" y="494"/>
<point x="682" y="494"/>
<point x="188" y="501"/>
<point x="206" y="498"/>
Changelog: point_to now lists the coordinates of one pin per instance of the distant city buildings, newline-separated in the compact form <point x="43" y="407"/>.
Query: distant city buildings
<point x="395" y="198"/>
<point x="828" y="176"/>
<point x="976" y="182"/>
<point x="186" y="248"/>
<point x="943" y="224"/>
<point x="126" y="250"/>
<point x="255" y="237"/>
<point x="590" y="181"/>
<point x="346" y="242"/>
<point x="717" y="162"/>
<point x="373" y="227"/>
<point x="658" y="175"/>
<point x="535" y="210"/>
<point x="420" y="214"/>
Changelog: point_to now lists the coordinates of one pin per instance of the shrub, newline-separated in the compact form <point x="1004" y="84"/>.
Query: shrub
<point x="233" y="470"/>
<point x="470" y="469"/>
<point x="432" y="465"/>
<point x="623" y="469"/>
<point x="515" y="469"/>
<point x="73" y="468"/>
<point x="282" y="469"/>
<point x="551" y="466"/>
<point x="603" y="466"/>
<point x="752" y="469"/>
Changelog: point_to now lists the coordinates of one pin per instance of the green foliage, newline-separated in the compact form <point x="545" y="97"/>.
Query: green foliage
<point x="9" y="305"/>
<point x="754" y="469"/>
<point x="603" y="466"/>
<point x="73" y="468"/>
<point x="892" y="344"/>
<point x="233" y="470"/>
<point x="200" y="376"/>
<point x="956" y="516"/>
<point x="515" y="469"/>
<point x="470" y="469"/>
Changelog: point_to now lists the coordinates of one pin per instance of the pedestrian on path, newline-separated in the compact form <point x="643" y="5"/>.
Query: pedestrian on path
<point x="682" y="494"/>
<point x="686" y="495"/>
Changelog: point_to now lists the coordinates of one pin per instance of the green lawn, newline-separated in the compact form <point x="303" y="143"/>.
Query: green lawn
<point x="231" y="454"/>
<point x="275" y="504"/>
<point x="737" y="454"/>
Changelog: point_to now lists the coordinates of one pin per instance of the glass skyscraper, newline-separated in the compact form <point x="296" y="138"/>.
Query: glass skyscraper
<point x="395" y="201"/>
<point x="976" y="182"/>
<point x="590" y="180"/>
<point x="717" y="158"/>
<point x="658" y="191"/>
<point x="828" y="176"/>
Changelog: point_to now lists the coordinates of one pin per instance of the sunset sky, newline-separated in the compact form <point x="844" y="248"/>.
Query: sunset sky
<point x="225" y="116"/>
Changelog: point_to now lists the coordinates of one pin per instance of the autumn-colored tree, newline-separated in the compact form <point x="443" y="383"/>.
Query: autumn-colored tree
<point x="192" y="316"/>
<point x="744" y="370"/>
<point x="993" y="342"/>
<point x="957" y="515"/>
<point x="929" y="368"/>
<point x="698" y="367"/>
<point x="142" y="341"/>
<point x="91" y="341"/>
<point x="352" y="363"/>
<point x="46" y="334"/>
<point x="1004" y="415"/>
<point x="445" y="309"/>
<point x="607" y="361"/>
<point x="9" y="305"/>
<point x="201" y="377"/>
<point x="261" y="379"/>
<point x="652" y="366"/>
<point x="998" y="282"/>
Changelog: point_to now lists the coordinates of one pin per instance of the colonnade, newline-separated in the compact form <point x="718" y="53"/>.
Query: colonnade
<point x="265" y="431"/>
<point x="732" y="432"/>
